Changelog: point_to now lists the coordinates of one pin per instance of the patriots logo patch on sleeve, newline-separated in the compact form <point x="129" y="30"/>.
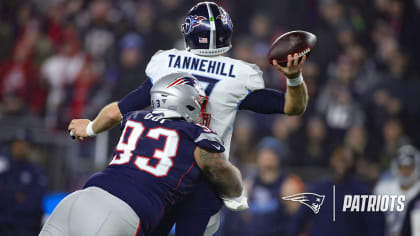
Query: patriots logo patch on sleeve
<point x="312" y="200"/>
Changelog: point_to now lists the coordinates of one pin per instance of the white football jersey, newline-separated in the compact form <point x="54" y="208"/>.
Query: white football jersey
<point x="226" y="81"/>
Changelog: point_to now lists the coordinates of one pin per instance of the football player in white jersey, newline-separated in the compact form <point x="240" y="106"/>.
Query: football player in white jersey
<point x="405" y="169"/>
<point x="230" y="85"/>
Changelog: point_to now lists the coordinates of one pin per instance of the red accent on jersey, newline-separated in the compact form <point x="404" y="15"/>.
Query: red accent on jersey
<point x="138" y="228"/>
<point x="180" y="180"/>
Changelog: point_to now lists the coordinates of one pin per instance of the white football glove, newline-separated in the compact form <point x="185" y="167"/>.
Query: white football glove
<point x="238" y="203"/>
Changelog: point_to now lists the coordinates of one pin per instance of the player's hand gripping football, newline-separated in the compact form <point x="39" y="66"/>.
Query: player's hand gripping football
<point x="293" y="68"/>
<point x="77" y="128"/>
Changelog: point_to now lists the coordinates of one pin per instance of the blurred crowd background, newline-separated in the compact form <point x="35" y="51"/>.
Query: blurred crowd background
<point x="65" y="59"/>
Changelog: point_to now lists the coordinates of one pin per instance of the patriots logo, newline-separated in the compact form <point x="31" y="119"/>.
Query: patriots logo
<point x="183" y="80"/>
<point x="311" y="200"/>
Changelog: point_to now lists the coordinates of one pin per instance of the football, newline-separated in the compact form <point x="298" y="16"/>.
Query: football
<point x="301" y="42"/>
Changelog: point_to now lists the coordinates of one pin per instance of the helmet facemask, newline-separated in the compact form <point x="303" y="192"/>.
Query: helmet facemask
<point x="205" y="117"/>
<point x="406" y="166"/>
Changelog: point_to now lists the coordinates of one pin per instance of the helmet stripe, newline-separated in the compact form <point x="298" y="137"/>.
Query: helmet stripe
<point x="179" y="83"/>
<point x="212" y="43"/>
<point x="176" y="82"/>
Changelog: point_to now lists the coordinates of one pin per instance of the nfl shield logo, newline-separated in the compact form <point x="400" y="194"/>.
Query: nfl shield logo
<point x="202" y="40"/>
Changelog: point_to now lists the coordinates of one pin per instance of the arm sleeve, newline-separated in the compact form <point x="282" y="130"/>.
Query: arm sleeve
<point x="266" y="101"/>
<point x="137" y="99"/>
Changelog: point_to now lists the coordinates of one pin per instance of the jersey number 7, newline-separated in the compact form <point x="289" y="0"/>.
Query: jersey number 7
<point x="133" y="130"/>
<point x="209" y="82"/>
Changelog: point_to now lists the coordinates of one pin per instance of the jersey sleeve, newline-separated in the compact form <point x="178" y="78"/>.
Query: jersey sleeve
<point x="207" y="139"/>
<point x="266" y="101"/>
<point x="137" y="99"/>
<point x="140" y="98"/>
<point x="132" y="115"/>
<point x="254" y="76"/>
<point x="154" y="68"/>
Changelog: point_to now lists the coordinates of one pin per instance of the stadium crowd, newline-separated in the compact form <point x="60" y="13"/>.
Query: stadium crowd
<point x="65" y="59"/>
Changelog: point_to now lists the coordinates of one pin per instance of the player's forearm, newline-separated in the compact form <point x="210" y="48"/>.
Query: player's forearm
<point x="226" y="177"/>
<point x="107" y="118"/>
<point x="296" y="99"/>
<point x="228" y="180"/>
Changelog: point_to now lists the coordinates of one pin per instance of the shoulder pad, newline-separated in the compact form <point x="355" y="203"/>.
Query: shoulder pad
<point x="208" y="140"/>
<point x="254" y="75"/>
<point x="132" y="115"/>
<point x="154" y="67"/>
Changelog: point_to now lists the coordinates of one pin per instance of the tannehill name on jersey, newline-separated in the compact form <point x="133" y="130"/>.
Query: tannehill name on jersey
<point x="203" y="65"/>
<point x="373" y="203"/>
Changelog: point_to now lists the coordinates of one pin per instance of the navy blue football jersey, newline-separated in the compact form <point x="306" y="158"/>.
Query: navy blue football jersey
<point x="153" y="166"/>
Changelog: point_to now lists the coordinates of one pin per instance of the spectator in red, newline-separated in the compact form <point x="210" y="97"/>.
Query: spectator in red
<point x="20" y="87"/>
<point x="60" y="71"/>
<point x="81" y="92"/>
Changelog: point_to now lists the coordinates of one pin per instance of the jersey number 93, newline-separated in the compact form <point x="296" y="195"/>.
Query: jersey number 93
<point x="164" y="156"/>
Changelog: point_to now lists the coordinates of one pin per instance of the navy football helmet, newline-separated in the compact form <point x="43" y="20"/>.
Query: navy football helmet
<point x="207" y="30"/>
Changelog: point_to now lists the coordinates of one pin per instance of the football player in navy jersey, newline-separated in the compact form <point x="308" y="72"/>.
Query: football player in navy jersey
<point x="230" y="85"/>
<point x="157" y="162"/>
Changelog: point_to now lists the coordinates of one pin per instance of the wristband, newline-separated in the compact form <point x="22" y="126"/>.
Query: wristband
<point x="296" y="81"/>
<point x="89" y="130"/>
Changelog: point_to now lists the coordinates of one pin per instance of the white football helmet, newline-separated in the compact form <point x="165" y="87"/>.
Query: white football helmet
<point x="407" y="156"/>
